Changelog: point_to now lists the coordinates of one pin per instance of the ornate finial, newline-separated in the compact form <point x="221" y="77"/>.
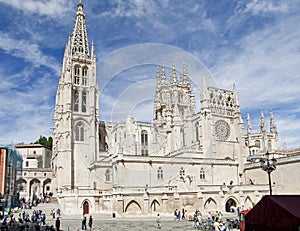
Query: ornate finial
<point x="174" y="75"/>
<point x="262" y="120"/>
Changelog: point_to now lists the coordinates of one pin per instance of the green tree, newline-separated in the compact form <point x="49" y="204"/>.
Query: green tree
<point x="47" y="142"/>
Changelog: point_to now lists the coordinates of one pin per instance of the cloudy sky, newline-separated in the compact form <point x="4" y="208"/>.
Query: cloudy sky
<point x="254" y="44"/>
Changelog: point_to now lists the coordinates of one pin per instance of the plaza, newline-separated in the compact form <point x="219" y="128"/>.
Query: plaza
<point x="108" y="223"/>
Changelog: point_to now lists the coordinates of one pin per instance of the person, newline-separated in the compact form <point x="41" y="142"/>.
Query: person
<point x="83" y="222"/>
<point x="223" y="226"/>
<point x="183" y="214"/>
<point x="158" y="221"/>
<point x="90" y="222"/>
<point x="58" y="212"/>
<point x="178" y="215"/>
<point x="57" y="224"/>
<point x="213" y="216"/>
<point x="217" y="225"/>
<point x="175" y="214"/>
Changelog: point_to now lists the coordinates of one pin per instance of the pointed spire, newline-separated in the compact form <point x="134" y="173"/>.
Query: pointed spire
<point x="237" y="103"/>
<point x="273" y="128"/>
<point x="249" y="126"/>
<point x="163" y="74"/>
<point x="158" y="79"/>
<point x="262" y="122"/>
<point x="186" y="79"/>
<point x="204" y="95"/>
<point x="173" y="78"/>
<point x="93" y="51"/>
<point x="79" y="36"/>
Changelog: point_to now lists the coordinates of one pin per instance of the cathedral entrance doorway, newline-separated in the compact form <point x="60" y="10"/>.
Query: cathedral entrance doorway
<point x="230" y="206"/>
<point x="86" y="207"/>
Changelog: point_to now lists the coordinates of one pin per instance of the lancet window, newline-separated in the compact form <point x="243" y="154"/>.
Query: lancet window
<point x="83" y="106"/>
<point x="79" y="132"/>
<point x="202" y="174"/>
<point x="160" y="174"/>
<point x="76" y="100"/>
<point x="77" y="75"/>
<point x="144" y="143"/>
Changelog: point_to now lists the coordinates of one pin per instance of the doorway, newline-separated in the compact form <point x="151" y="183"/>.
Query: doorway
<point x="230" y="206"/>
<point x="86" y="208"/>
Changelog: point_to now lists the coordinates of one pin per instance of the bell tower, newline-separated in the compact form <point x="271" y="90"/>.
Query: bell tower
<point x="75" y="133"/>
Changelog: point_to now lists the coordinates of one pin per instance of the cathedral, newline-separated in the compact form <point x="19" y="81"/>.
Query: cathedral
<point x="183" y="159"/>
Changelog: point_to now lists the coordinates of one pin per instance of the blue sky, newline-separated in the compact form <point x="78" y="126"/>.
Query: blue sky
<point x="254" y="44"/>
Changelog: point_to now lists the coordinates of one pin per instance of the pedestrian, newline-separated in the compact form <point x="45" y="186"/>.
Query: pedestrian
<point x="58" y="212"/>
<point x="83" y="222"/>
<point x="57" y="224"/>
<point x="90" y="222"/>
<point x="217" y="225"/>
<point x="183" y="214"/>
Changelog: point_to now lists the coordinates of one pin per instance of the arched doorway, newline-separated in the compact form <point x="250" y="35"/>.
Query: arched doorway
<point x="230" y="206"/>
<point x="86" y="207"/>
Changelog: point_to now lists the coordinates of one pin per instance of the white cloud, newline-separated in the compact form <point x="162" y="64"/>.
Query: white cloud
<point x="263" y="6"/>
<point x="27" y="51"/>
<point x="52" y="8"/>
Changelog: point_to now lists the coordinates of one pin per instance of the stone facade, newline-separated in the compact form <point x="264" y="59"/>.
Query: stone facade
<point x="37" y="172"/>
<point x="184" y="159"/>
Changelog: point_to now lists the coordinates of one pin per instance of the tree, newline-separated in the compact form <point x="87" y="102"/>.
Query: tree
<point x="45" y="142"/>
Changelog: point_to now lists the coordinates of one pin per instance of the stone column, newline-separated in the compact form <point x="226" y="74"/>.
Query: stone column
<point x="165" y="203"/>
<point x="146" y="203"/>
<point x="120" y="204"/>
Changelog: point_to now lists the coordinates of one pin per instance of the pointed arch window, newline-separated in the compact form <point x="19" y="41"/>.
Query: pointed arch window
<point x="79" y="132"/>
<point x="144" y="143"/>
<point x="202" y="174"/>
<point x="107" y="174"/>
<point x="76" y="75"/>
<point x="160" y="174"/>
<point x="76" y="101"/>
<point x="84" y="76"/>
<point x="83" y="106"/>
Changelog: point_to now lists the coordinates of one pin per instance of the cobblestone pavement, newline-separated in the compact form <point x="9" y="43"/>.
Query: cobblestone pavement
<point x="129" y="224"/>
<point x="107" y="223"/>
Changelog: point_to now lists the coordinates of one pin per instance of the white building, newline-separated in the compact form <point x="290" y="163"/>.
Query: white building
<point x="184" y="159"/>
<point x="37" y="171"/>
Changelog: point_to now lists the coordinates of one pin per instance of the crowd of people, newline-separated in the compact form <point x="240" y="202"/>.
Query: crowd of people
<point x="213" y="219"/>
<point x="24" y="221"/>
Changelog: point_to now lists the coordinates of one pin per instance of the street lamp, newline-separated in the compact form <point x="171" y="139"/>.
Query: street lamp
<point x="268" y="165"/>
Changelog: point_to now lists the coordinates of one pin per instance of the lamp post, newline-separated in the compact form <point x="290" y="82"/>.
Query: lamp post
<point x="268" y="165"/>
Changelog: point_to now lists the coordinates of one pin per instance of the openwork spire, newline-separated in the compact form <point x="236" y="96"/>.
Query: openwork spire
<point x="79" y="36"/>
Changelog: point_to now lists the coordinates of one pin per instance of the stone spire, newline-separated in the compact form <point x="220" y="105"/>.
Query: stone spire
<point x="186" y="79"/>
<point x="237" y="103"/>
<point x="273" y="128"/>
<point x="204" y="95"/>
<point x="79" y="40"/>
<point x="262" y="122"/>
<point x="173" y="78"/>
<point x="249" y="126"/>
<point x="163" y="74"/>
<point x="93" y="53"/>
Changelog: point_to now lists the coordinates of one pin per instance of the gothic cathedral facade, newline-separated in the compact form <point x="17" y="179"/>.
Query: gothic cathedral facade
<point x="184" y="159"/>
